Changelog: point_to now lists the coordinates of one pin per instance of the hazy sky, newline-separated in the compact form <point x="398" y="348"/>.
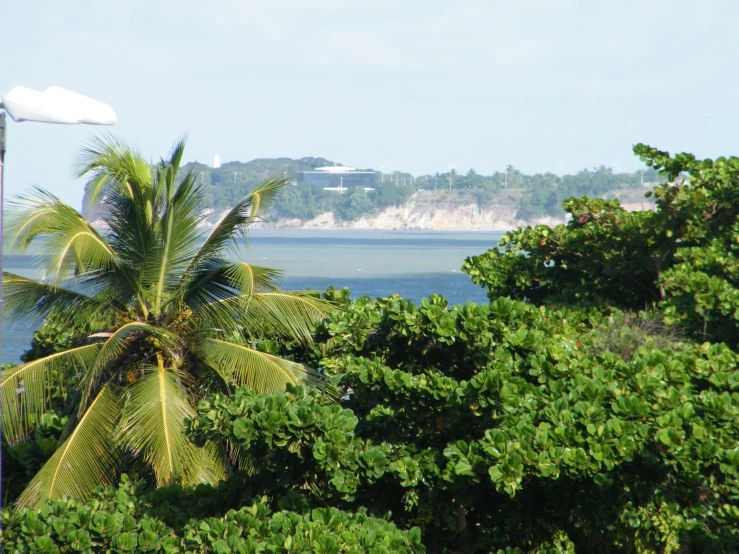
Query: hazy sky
<point x="419" y="85"/>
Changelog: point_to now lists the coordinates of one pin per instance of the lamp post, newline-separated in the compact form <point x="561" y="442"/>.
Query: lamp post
<point x="54" y="105"/>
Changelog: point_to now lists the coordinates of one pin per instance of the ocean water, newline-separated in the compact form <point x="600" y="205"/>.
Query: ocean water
<point x="413" y="264"/>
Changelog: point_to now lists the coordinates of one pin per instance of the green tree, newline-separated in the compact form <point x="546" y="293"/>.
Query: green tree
<point x="701" y="287"/>
<point x="162" y="318"/>
<point x="387" y="194"/>
<point x="305" y="201"/>
<point x="356" y="204"/>
<point x="604" y="255"/>
<point x="684" y="256"/>
<point x="503" y="428"/>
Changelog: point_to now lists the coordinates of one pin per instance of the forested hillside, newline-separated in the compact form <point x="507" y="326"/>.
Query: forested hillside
<point x="534" y="196"/>
<point x="538" y="195"/>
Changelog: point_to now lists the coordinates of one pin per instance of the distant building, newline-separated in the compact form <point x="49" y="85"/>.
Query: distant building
<point x="337" y="178"/>
<point x="216" y="161"/>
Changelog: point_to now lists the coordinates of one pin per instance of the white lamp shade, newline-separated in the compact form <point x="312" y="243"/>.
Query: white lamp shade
<point x="93" y="111"/>
<point x="56" y="105"/>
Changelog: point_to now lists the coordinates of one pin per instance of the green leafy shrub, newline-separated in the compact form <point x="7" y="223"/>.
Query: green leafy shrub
<point x="603" y="255"/>
<point x="23" y="460"/>
<point x="118" y="521"/>
<point x="497" y="427"/>
<point x="682" y="257"/>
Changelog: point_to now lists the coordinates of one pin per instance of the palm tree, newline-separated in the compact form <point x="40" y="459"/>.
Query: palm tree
<point x="163" y="318"/>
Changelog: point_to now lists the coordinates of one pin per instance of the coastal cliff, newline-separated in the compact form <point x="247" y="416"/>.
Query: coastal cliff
<point x="427" y="212"/>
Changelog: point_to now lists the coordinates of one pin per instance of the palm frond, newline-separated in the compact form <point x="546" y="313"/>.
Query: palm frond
<point x="23" y="297"/>
<point x="288" y="314"/>
<point x="178" y="239"/>
<point x="254" y="369"/>
<point x="26" y="392"/>
<point x="175" y="156"/>
<point x="220" y="293"/>
<point x="152" y="426"/>
<point x="115" y="346"/>
<point x="122" y="182"/>
<point x="234" y="224"/>
<point x="240" y="457"/>
<point x="112" y="166"/>
<point x="87" y="459"/>
<point x="263" y="196"/>
<point x="133" y="235"/>
<point x="71" y="244"/>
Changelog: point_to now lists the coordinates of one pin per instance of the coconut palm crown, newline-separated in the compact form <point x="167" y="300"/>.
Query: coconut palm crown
<point x="163" y="317"/>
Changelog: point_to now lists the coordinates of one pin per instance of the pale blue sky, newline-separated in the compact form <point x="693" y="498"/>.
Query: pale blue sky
<point x="413" y="84"/>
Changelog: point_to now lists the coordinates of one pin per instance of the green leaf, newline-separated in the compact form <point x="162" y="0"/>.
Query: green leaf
<point x="87" y="458"/>
<point x="152" y="425"/>
<point x="26" y="389"/>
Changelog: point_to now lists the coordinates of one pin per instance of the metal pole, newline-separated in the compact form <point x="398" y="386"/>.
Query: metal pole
<point x="2" y="168"/>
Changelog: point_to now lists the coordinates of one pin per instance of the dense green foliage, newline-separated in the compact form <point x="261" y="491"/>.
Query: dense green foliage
<point x="505" y="426"/>
<point x="604" y="254"/>
<point x="306" y="201"/>
<point x="118" y="521"/>
<point x="683" y="256"/>
<point x="23" y="460"/>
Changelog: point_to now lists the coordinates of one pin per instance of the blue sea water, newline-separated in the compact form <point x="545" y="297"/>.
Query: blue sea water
<point x="413" y="264"/>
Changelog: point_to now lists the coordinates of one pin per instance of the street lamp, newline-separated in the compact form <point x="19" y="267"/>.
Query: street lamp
<point x="54" y="105"/>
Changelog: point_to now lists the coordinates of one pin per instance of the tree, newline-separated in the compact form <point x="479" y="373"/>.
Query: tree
<point x="502" y="428"/>
<point x="355" y="204"/>
<point x="161" y="319"/>
<point x="387" y="194"/>
<point x="603" y="255"/>
<point x="305" y="201"/>
<point x="683" y="257"/>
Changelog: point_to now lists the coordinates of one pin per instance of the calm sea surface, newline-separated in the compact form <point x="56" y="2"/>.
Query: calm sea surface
<point x="413" y="264"/>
